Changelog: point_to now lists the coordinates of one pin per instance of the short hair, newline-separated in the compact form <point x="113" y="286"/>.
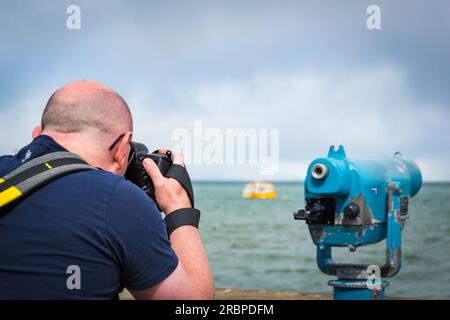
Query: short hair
<point x="83" y="105"/>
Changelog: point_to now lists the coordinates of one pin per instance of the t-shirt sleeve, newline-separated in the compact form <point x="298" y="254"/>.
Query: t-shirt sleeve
<point x="137" y="235"/>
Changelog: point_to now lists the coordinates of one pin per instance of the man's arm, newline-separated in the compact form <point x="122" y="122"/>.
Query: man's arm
<point x="192" y="279"/>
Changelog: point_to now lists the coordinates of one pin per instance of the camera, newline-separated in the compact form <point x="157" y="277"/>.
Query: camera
<point x="136" y="172"/>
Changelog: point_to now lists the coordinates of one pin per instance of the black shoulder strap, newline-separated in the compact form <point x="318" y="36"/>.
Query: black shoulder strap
<point x="37" y="173"/>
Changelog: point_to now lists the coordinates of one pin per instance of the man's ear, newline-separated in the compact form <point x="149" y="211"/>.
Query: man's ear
<point x="121" y="155"/>
<point x="36" y="132"/>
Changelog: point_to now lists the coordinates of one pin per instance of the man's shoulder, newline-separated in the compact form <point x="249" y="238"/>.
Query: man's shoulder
<point x="119" y="188"/>
<point x="117" y="184"/>
<point x="7" y="164"/>
<point x="97" y="176"/>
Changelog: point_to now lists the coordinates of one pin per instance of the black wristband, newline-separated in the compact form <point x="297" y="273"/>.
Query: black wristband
<point x="182" y="217"/>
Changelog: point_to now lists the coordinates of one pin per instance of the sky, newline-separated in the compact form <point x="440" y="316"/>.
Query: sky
<point x="311" y="69"/>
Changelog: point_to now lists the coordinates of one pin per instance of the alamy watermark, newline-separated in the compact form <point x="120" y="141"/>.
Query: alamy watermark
<point x="374" y="279"/>
<point x="73" y="21"/>
<point x="373" y="21"/>
<point x="74" y="280"/>
<point x="237" y="146"/>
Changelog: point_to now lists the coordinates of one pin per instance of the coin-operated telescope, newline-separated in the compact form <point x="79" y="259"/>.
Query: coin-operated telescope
<point x="357" y="203"/>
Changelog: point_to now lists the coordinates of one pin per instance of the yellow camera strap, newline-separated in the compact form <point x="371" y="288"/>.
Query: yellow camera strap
<point x="37" y="173"/>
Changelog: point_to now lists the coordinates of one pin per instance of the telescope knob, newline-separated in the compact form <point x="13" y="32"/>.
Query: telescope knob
<point x="351" y="211"/>
<point x="301" y="214"/>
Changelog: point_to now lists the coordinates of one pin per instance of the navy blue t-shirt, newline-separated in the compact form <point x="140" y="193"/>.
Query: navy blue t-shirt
<point x="92" y="226"/>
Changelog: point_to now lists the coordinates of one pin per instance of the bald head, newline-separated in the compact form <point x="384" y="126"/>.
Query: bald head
<point x="86" y="106"/>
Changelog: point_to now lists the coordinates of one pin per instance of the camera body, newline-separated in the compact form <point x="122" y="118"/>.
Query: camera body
<point x="136" y="172"/>
<point x="357" y="203"/>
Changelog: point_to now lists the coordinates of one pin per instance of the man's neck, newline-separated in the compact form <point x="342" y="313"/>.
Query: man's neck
<point x="80" y="144"/>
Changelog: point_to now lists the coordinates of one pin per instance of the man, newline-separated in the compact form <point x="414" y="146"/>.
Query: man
<point x="89" y="234"/>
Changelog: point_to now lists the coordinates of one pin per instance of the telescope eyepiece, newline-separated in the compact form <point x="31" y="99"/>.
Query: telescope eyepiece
<point x="319" y="171"/>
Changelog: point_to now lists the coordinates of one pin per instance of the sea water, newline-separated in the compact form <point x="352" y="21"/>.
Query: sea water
<point x="256" y="244"/>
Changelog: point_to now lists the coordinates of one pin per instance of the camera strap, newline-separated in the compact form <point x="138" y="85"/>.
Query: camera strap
<point x="180" y="174"/>
<point x="38" y="172"/>
<point x="184" y="216"/>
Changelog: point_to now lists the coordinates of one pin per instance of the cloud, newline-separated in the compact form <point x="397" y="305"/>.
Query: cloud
<point x="311" y="69"/>
<point x="372" y="113"/>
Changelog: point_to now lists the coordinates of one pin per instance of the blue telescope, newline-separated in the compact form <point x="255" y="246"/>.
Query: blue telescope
<point x="357" y="203"/>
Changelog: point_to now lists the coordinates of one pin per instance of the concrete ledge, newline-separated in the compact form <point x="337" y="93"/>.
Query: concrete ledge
<point x="240" y="294"/>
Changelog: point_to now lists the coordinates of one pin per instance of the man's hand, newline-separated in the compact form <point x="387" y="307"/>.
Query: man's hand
<point x="192" y="279"/>
<point x="169" y="193"/>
